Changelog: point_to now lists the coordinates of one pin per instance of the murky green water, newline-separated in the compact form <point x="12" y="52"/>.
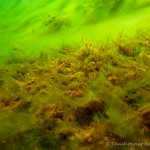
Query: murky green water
<point x="34" y="26"/>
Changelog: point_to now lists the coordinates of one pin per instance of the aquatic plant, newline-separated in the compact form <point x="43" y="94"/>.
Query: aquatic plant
<point x="86" y="97"/>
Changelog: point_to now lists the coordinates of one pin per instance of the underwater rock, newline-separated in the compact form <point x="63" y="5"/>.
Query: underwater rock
<point x="146" y="118"/>
<point x="65" y="134"/>
<point x="84" y="114"/>
<point x="144" y="113"/>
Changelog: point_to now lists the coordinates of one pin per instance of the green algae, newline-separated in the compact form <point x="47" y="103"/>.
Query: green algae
<point x="68" y="80"/>
<point x="82" y="99"/>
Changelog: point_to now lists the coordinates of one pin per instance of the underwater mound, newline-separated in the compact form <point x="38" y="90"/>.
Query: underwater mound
<point x="93" y="97"/>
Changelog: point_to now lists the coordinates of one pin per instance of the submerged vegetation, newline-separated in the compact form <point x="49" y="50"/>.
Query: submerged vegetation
<point x="83" y="99"/>
<point x="68" y="81"/>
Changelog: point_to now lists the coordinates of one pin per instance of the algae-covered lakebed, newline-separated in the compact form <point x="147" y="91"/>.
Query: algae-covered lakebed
<point x="74" y="75"/>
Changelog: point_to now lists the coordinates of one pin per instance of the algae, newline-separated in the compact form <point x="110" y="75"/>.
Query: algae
<point x="86" y="97"/>
<point x="74" y="74"/>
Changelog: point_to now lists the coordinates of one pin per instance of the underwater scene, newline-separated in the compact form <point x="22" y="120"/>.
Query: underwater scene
<point x="74" y="74"/>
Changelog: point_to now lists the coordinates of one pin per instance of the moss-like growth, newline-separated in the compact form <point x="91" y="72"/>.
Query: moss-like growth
<point x="81" y="100"/>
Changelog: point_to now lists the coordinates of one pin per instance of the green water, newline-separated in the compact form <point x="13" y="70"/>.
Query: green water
<point x="31" y="26"/>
